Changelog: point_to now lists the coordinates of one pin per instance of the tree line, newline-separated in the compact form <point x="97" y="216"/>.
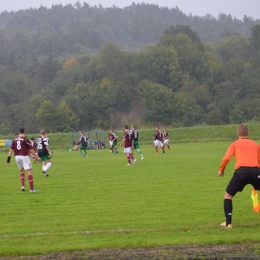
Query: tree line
<point x="181" y="79"/>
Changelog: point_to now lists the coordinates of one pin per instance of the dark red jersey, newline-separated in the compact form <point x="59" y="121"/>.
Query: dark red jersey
<point x="165" y="135"/>
<point x="158" y="135"/>
<point x="128" y="139"/>
<point x="34" y="144"/>
<point x="21" y="145"/>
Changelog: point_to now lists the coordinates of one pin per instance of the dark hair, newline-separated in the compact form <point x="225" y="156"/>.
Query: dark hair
<point x="126" y="126"/>
<point x="32" y="138"/>
<point x="21" y="130"/>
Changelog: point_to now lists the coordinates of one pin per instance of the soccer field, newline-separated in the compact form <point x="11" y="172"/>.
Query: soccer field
<point x="174" y="198"/>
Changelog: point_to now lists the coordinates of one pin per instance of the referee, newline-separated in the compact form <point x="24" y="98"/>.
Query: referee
<point x="247" y="169"/>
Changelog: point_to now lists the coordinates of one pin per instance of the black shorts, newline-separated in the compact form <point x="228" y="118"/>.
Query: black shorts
<point x="242" y="177"/>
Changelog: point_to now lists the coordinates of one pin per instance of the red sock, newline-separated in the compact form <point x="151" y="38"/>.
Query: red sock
<point x="22" y="178"/>
<point x="129" y="159"/>
<point x="132" y="157"/>
<point x="162" y="148"/>
<point x="30" y="179"/>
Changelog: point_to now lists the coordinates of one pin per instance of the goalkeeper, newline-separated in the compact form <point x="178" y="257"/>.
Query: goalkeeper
<point x="247" y="162"/>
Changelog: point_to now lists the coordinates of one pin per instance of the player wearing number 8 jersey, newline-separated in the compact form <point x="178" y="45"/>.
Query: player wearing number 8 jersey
<point x="21" y="146"/>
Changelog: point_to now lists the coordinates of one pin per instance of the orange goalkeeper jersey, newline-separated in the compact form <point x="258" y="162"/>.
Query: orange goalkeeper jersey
<point x="246" y="153"/>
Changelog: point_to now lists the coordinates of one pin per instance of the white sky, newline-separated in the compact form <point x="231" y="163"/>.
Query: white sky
<point x="237" y="8"/>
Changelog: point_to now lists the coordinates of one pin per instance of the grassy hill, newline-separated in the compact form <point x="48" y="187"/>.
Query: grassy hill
<point x="177" y="135"/>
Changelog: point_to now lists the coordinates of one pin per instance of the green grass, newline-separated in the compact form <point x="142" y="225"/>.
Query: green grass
<point x="174" y="198"/>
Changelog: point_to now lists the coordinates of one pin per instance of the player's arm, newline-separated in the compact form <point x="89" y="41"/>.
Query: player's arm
<point x="9" y="156"/>
<point x="123" y="141"/>
<point x="32" y="151"/>
<point x="48" y="148"/>
<point x="230" y="152"/>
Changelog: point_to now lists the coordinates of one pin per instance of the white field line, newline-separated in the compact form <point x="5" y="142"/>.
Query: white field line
<point x="87" y="232"/>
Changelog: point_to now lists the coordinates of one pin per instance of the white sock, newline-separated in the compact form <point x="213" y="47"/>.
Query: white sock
<point x="48" y="165"/>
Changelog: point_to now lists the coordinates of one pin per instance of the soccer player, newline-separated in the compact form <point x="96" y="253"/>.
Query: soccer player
<point x="84" y="143"/>
<point x="114" y="138"/>
<point x="44" y="152"/>
<point x="21" y="146"/>
<point x="110" y="142"/>
<point x="166" y="139"/>
<point x="128" y="144"/>
<point x="135" y="135"/>
<point x="34" y="144"/>
<point x="247" y="162"/>
<point x="158" y="136"/>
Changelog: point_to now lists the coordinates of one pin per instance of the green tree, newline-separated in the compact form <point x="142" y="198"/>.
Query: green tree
<point x="48" y="72"/>
<point x="158" y="100"/>
<point x="111" y="61"/>
<point x="159" y="64"/>
<point x="186" y="111"/>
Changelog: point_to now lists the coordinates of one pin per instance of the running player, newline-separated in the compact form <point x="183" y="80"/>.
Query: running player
<point x="166" y="139"/>
<point x="84" y="144"/>
<point x="135" y="136"/>
<point x="21" y="146"/>
<point x="158" y="136"/>
<point x="128" y="144"/>
<point x="44" y="152"/>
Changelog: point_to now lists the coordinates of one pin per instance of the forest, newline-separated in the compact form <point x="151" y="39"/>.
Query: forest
<point x="76" y="67"/>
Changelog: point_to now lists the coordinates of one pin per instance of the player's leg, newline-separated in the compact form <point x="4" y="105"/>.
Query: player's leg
<point x="128" y="156"/>
<point x="228" y="209"/>
<point x="20" y="165"/>
<point x="48" y="165"/>
<point x="43" y="160"/>
<point x="132" y="156"/>
<point x="81" y="149"/>
<point x="28" y="167"/>
<point x="156" y="146"/>
<point x="237" y="183"/>
<point x="30" y="180"/>
<point x="114" y="147"/>
<point x="137" y="147"/>
<point x="111" y="148"/>
<point x="166" y="142"/>
<point x="140" y="153"/>
<point x="162" y="147"/>
<point x="22" y="179"/>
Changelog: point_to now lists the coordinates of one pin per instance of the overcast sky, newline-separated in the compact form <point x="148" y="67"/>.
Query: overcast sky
<point x="237" y="8"/>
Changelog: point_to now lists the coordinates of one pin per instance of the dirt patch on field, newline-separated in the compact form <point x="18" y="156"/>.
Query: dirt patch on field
<point x="170" y="252"/>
